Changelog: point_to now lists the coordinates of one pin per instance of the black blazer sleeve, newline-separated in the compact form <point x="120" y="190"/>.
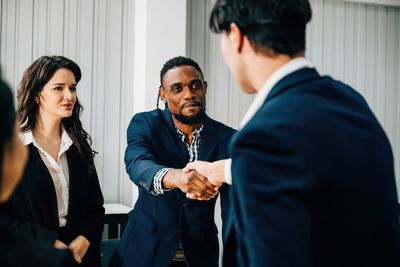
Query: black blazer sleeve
<point x="28" y="230"/>
<point x="93" y="216"/>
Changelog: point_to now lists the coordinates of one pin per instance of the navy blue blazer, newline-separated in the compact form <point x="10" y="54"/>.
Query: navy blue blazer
<point x="313" y="181"/>
<point x="157" y="224"/>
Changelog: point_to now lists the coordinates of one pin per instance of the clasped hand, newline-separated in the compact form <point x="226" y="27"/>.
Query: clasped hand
<point x="190" y="182"/>
<point x="212" y="171"/>
<point x="78" y="246"/>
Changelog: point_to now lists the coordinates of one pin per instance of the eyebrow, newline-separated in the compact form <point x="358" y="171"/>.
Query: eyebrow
<point x="74" y="84"/>
<point x="195" y="81"/>
<point x="191" y="82"/>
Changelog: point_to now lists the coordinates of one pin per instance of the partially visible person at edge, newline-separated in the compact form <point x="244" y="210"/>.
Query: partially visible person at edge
<point x="59" y="200"/>
<point x="165" y="228"/>
<point x="16" y="250"/>
<point x="312" y="169"/>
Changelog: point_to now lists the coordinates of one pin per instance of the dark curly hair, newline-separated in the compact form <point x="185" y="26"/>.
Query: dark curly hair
<point x="34" y="79"/>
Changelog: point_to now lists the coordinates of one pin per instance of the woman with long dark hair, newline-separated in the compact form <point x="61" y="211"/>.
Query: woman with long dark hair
<point x="16" y="250"/>
<point x="59" y="200"/>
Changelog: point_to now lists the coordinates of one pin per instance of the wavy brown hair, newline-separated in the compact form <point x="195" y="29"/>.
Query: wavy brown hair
<point x="34" y="79"/>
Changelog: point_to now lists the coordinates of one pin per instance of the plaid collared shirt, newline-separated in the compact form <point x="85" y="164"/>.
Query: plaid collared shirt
<point x="193" y="150"/>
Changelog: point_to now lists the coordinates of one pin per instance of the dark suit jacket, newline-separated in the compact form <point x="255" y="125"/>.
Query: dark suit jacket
<point x="17" y="251"/>
<point x="32" y="211"/>
<point x="158" y="223"/>
<point x="313" y="181"/>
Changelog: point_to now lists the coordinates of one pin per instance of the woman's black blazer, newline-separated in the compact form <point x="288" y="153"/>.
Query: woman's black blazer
<point x="32" y="210"/>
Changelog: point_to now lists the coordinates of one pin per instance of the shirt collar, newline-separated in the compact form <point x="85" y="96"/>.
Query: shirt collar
<point x="279" y="74"/>
<point x="196" y="133"/>
<point x="66" y="141"/>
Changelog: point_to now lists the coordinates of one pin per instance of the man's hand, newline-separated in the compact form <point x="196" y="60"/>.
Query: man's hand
<point x="214" y="171"/>
<point x="190" y="182"/>
<point x="60" y="245"/>
<point x="79" y="247"/>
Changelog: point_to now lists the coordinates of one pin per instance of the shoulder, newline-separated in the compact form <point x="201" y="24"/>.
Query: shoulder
<point x="220" y="128"/>
<point x="148" y="117"/>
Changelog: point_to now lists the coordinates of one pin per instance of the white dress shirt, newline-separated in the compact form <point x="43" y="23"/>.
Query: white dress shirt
<point x="279" y="74"/>
<point x="58" y="169"/>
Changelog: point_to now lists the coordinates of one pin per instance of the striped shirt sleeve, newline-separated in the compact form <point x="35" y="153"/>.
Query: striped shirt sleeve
<point x="157" y="182"/>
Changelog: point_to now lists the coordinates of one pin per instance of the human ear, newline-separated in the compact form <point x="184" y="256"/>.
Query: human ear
<point x="236" y="37"/>
<point x="161" y="93"/>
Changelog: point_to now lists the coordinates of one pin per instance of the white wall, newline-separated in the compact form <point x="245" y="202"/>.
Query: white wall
<point x="354" y="42"/>
<point x="98" y="35"/>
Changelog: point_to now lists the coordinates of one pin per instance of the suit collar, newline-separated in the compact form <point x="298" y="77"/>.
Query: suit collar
<point x="208" y="140"/>
<point x="45" y="182"/>
<point x="293" y="79"/>
<point x="173" y="135"/>
<point x="285" y="70"/>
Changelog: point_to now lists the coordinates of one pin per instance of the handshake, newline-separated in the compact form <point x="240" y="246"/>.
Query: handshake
<point x="200" y="180"/>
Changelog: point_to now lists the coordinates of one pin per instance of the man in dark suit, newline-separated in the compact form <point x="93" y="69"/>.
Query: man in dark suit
<point x="165" y="228"/>
<point x="312" y="169"/>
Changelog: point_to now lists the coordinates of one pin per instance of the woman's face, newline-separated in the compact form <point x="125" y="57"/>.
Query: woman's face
<point x="14" y="159"/>
<point x="58" y="97"/>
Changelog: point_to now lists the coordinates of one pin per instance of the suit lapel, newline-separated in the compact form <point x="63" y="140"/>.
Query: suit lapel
<point x="45" y="183"/>
<point x="173" y="136"/>
<point x="208" y="142"/>
<point x="75" y="180"/>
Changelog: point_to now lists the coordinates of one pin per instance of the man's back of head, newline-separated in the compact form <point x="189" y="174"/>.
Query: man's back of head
<point x="270" y="25"/>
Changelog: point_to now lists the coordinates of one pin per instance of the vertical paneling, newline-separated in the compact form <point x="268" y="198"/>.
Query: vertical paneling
<point x="97" y="34"/>
<point x="81" y="41"/>
<point x="23" y="53"/>
<point x="355" y="42"/>
<point x="40" y="20"/>
<point x="8" y="41"/>
<point x="55" y="26"/>
<point x="127" y="80"/>
<point x="365" y="55"/>
<point x="99" y="78"/>
<point x="196" y="31"/>
<point x="112" y="94"/>
<point x="225" y="102"/>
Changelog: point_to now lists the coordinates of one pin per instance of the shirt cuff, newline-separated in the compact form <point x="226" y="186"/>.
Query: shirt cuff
<point x="157" y="182"/>
<point x="227" y="171"/>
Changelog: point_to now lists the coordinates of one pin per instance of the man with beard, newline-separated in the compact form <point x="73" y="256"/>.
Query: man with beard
<point x="165" y="228"/>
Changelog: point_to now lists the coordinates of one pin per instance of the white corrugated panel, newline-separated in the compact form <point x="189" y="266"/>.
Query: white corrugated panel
<point x="98" y="35"/>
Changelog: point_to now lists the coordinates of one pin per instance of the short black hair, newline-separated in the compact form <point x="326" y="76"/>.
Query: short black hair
<point x="277" y="25"/>
<point x="7" y="120"/>
<point x="177" y="62"/>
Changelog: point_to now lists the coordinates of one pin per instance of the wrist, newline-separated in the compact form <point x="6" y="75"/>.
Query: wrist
<point x="168" y="181"/>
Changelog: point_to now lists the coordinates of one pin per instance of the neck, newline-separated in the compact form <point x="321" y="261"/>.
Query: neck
<point x="48" y="128"/>
<point x="186" y="129"/>
<point x="262" y="67"/>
